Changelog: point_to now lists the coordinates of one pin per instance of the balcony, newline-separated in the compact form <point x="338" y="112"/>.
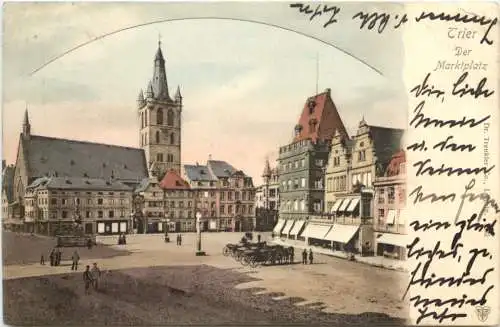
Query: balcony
<point x="389" y="228"/>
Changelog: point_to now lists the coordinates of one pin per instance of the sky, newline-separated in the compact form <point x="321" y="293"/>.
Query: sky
<point x="244" y="84"/>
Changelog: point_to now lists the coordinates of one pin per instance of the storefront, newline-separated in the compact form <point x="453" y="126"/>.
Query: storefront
<point x="287" y="227"/>
<point x="315" y="235"/>
<point x="392" y="245"/>
<point x="112" y="227"/>
<point x="343" y="237"/>
<point x="296" y="230"/>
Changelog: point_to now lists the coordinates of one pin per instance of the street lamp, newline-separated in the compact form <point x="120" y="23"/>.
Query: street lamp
<point x="199" y="252"/>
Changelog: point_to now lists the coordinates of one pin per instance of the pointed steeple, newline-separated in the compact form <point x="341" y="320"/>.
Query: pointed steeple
<point x="26" y="124"/>
<point x="159" y="82"/>
<point x="178" y="96"/>
<point x="140" y="100"/>
<point x="267" y="169"/>
<point x="149" y="90"/>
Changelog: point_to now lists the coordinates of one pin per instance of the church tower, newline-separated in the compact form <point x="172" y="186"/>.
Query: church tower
<point x="160" y="121"/>
<point x="26" y="125"/>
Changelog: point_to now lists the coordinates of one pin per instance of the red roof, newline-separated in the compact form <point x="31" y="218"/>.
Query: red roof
<point x="322" y="121"/>
<point x="394" y="166"/>
<point x="172" y="181"/>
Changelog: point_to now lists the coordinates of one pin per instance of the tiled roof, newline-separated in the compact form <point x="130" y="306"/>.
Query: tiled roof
<point x="199" y="173"/>
<point x="172" y="181"/>
<point x="393" y="169"/>
<point x="142" y="185"/>
<point x="78" y="183"/>
<point x="325" y="117"/>
<point x="387" y="141"/>
<point x="50" y="156"/>
<point x="220" y="168"/>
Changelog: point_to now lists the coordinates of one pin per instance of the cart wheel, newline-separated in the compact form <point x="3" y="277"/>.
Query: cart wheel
<point x="254" y="263"/>
<point x="245" y="261"/>
<point x="225" y="251"/>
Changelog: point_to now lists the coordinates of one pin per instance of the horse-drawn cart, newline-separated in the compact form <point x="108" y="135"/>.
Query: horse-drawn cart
<point x="255" y="254"/>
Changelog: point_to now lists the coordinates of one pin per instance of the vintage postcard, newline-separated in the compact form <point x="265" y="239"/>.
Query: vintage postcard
<point x="250" y="163"/>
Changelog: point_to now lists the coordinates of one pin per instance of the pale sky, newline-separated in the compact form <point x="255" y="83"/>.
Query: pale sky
<point x="244" y="84"/>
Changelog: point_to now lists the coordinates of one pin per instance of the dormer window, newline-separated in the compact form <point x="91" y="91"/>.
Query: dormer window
<point x="311" y="106"/>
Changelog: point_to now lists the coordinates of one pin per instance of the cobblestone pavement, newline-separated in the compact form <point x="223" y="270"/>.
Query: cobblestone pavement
<point x="332" y="290"/>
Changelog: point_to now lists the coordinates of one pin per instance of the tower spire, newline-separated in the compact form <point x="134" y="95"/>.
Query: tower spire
<point x="159" y="81"/>
<point x="26" y="124"/>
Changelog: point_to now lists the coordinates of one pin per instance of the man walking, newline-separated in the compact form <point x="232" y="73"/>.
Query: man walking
<point x="42" y="260"/>
<point x="304" y="257"/>
<point x="75" y="259"/>
<point x="258" y="238"/>
<point x="96" y="274"/>
<point x="180" y="239"/>
<point x="59" y="257"/>
<point x="177" y="240"/>
<point x="87" y="279"/>
<point x="52" y="256"/>
<point x="310" y="256"/>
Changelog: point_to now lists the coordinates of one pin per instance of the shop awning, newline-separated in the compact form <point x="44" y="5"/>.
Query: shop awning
<point x="391" y="215"/>
<point x="341" y="233"/>
<point x="336" y="206"/>
<point x="354" y="203"/>
<point x="316" y="231"/>
<point x="279" y="226"/>
<point x="297" y="227"/>
<point x="393" y="239"/>
<point x="288" y="227"/>
<point x="344" y="205"/>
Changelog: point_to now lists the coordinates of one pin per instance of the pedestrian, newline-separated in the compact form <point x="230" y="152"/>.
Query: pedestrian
<point x="59" y="256"/>
<point x="180" y="239"/>
<point x="42" y="260"/>
<point x="258" y="238"/>
<point x="89" y="244"/>
<point x="291" y="251"/>
<point x="96" y="274"/>
<point x="310" y="256"/>
<point x="177" y="240"/>
<point x="87" y="279"/>
<point x="75" y="259"/>
<point x="52" y="257"/>
<point x="304" y="257"/>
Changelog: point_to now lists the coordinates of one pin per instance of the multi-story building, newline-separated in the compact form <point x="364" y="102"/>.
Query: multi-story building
<point x="179" y="203"/>
<point x="390" y="222"/>
<point x="160" y="121"/>
<point x="149" y="213"/>
<point x="302" y="163"/>
<point x="353" y="165"/>
<point x="53" y="204"/>
<point x="267" y="199"/>
<point x="78" y="161"/>
<point x="225" y="196"/>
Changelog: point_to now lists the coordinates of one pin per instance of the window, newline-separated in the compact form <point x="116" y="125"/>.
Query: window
<point x="53" y="201"/>
<point x="302" y="205"/>
<point x="381" y="215"/>
<point x="170" y="117"/>
<point x="222" y="208"/>
<point x="212" y="205"/>
<point x="296" y="184"/>
<point x="157" y="137"/>
<point x="99" y="214"/>
<point x="229" y="209"/>
<point x="230" y="196"/>
<point x="159" y="116"/>
<point x="296" y="205"/>
<point x="317" y="206"/>
<point x="390" y="194"/>
<point x="181" y="204"/>
<point x="87" y="214"/>
<point x="361" y="155"/>
<point x="159" y="157"/>
<point x="122" y="213"/>
<point x="172" y="204"/>
<point x="402" y="194"/>
<point x="319" y="162"/>
<point x="142" y="120"/>
<point x="336" y="161"/>
<point x="89" y="201"/>
<point x="111" y="214"/>
<point x="237" y="196"/>
<point x="302" y="163"/>
<point x="65" y="214"/>
<point x="64" y="201"/>
<point x="296" y="164"/>
<point x="172" y="138"/>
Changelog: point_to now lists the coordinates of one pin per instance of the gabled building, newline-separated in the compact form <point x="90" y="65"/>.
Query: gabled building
<point x="302" y="163"/>
<point x="179" y="202"/>
<point x="353" y="166"/>
<point x="41" y="156"/>
<point x="225" y="196"/>
<point x="267" y="199"/>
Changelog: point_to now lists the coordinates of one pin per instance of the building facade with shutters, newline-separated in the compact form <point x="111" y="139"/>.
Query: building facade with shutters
<point x="54" y="204"/>
<point x="302" y="163"/>
<point x="390" y="223"/>
<point x="225" y="196"/>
